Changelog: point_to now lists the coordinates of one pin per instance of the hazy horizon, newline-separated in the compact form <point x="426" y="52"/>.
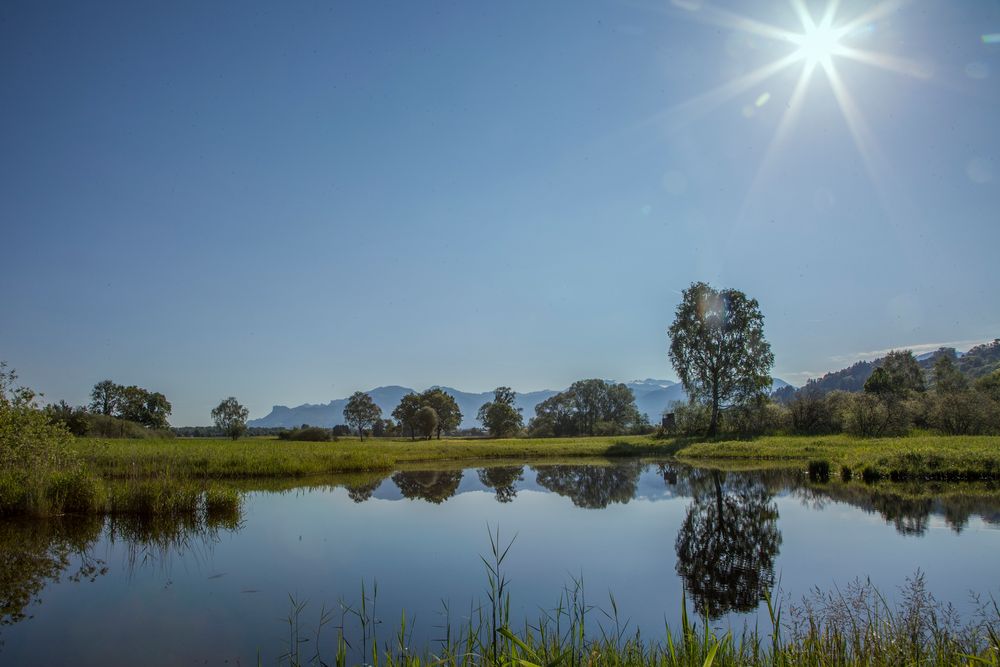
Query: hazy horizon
<point x="292" y="203"/>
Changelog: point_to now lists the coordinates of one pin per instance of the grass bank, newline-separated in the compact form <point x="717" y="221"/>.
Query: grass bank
<point x="259" y="457"/>
<point x="918" y="457"/>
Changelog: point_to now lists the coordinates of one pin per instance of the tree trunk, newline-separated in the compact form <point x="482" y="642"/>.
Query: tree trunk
<point x="713" y="427"/>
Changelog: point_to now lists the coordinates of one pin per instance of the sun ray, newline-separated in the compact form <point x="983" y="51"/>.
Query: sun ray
<point x="875" y="13"/>
<point x="788" y="119"/>
<point x="890" y="63"/>
<point x="727" y="19"/>
<point x="712" y="99"/>
<point x="875" y="163"/>
<point x="805" y="18"/>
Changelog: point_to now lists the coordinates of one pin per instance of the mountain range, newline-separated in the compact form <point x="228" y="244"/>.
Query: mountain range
<point x="651" y="397"/>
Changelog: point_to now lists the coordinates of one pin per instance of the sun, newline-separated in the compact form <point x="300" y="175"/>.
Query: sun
<point x="818" y="44"/>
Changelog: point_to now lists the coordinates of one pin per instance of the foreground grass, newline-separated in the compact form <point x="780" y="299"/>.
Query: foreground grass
<point x="919" y="457"/>
<point x="854" y="625"/>
<point x="227" y="459"/>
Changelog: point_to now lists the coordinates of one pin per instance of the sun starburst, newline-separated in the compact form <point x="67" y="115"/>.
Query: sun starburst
<point x="817" y="45"/>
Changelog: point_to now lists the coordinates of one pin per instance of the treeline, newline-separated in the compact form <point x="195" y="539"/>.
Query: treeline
<point x="588" y="407"/>
<point x="115" y="411"/>
<point x="898" y="395"/>
<point x="980" y="361"/>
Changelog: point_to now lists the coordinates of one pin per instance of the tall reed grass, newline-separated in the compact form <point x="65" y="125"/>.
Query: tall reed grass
<point x="856" y="626"/>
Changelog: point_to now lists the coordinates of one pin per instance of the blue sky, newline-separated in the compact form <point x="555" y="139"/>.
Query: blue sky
<point x="289" y="202"/>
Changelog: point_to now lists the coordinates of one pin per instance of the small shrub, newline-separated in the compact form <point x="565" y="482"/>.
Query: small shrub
<point x="74" y="492"/>
<point x="306" y="434"/>
<point x="819" y="471"/>
<point x="846" y="474"/>
<point x="870" y="475"/>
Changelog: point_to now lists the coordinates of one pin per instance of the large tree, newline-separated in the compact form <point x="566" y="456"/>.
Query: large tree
<point x="105" y="397"/>
<point x="231" y="417"/>
<point x="405" y="413"/>
<point x="361" y="412"/>
<point x="444" y="404"/>
<point x="499" y="416"/>
<point x="718" y="349"/>
<point x="583" y="407"/>
<point x="427" y="421"/>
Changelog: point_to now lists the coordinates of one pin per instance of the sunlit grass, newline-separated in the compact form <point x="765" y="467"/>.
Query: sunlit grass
<point x="916" y="457"/>
<point x="226" y="459"/>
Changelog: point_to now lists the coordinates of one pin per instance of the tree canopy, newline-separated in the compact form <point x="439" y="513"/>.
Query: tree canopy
<point x="718" y="349"/>
<point x="361" y="412"/>
<point x="587" y="407"/>
<point x="231" y="417"/>
<point x="131" y="403"/>
<point x="499" y="416"/>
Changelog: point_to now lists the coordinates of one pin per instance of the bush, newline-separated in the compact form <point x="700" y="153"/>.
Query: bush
<point x="73" y="493"/>
<point x="964" y="413"/>
<point x="307" y="434"/>
<point x="31" y="446"/>
<point x="692" y="418"/>
<point x="870" y="475"/>
<point x="758" y="417"/>
<point x="868" y="415"/>
<point x="106" y="426"/>
<point x="812" y="414"/>
<point x="846" y="474"/>
<point x="819" y="471"/>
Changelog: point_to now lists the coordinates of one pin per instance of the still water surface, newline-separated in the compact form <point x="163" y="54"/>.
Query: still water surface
<point x="216" y="590"/>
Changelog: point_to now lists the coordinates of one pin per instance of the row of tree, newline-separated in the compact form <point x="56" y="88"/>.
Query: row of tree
<point x="132" y="403"/>
<point x="896" y="398"/>
<point x="588" y="407"/>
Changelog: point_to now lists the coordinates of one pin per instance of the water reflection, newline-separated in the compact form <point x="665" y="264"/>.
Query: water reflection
<point x="593" y="487"/>
<point x="34" y="553"/>
<point x="503" y="480"/>
<point x="359" y="492"/>
<point x="723" y="525"/>
<point x="728" y="541"/>
<point x="910" y="506"/>
<point x="435" y="486"/>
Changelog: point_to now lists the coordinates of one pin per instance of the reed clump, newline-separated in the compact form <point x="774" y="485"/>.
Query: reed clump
<point x="854" y="626"/>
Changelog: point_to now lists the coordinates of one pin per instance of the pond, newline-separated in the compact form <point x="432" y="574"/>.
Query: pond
<point x="219" y="589"/>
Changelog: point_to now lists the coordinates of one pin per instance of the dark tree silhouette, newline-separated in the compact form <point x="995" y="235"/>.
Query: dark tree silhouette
<point x="435" y="486"/>
<point x="592" y="487"/>
<point x="502" y="479"/>
<point x="727" y="543"/>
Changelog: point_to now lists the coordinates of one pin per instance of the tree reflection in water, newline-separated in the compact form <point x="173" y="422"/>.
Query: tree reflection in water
<point x="908" y="506"/>
<point x="362" y="491"/>
<point x="36" y="552"/>
<point x="592" y="487"/>
<point x="435" y="486"/>
<point x="503" y="480"/>
<point x="728" y="542"/>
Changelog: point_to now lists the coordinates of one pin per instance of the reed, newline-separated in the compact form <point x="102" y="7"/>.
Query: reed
<point x="855" y="626"/>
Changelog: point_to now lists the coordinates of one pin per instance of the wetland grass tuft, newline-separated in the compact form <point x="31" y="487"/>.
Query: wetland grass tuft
<point x="851" y="626"/>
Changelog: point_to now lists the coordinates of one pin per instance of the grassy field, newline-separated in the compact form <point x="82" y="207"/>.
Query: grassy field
<point x="915" y="457"/>
<point x="260" y="457"/>
<point x="166" y="476"/>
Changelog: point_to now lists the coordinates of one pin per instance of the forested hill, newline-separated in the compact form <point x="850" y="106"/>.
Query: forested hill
<point x="977" y="362"/>
<point x="981" y="360"/>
